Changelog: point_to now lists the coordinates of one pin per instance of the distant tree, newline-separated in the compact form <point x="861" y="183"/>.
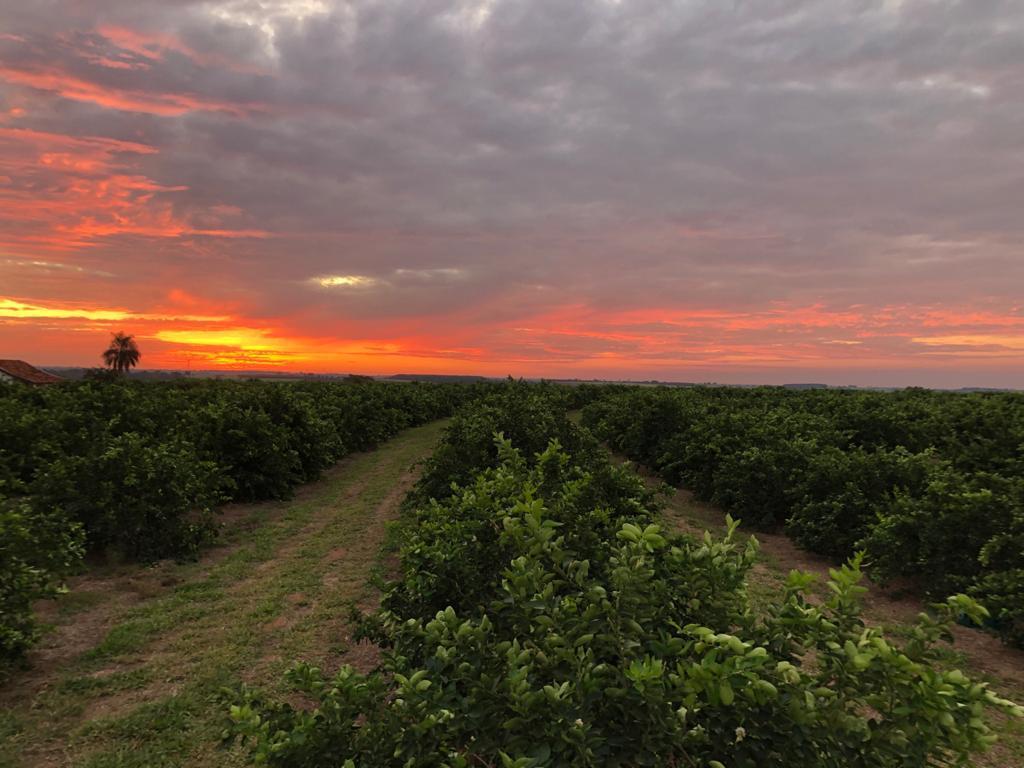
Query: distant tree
<point x="122" y="354"/>
<point x="100" y="374"/>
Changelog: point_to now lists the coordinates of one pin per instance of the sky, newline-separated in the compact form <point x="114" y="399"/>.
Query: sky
<point x="759" y="191"/>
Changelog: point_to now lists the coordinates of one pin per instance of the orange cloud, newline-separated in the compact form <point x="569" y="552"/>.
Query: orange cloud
<point x="147" y="45"/>
<point x="995" y="342"/>
<point x="74" y="88"/>
<point x="77" y="190"/>
<point x="153" y="46"/>
<point x="115" y="55"/>
<point x="574" y="340"/>
<point x="245" y="339"/>
<point x="24" y="138"/>
<point x="19" y="310"/>
<point x="781" y="335"/>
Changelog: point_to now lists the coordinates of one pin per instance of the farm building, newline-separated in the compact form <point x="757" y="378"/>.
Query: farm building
<point x="19" y="370"/>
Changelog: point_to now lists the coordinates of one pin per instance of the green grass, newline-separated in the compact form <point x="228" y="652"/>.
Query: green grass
<point x="150" y="692"/>
<point x="76" y="602"/>
<point x="116" y="682"/>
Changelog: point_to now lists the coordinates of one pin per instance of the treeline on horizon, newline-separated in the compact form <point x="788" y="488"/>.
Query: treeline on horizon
<point x="930" y="485"/>
<point x="74" y="373"/>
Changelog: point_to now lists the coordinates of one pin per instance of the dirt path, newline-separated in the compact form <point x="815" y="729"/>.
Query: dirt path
<point x="131" y="673"/>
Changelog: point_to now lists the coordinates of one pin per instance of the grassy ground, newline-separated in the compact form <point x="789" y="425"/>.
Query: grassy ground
<point x="133" y="668"/>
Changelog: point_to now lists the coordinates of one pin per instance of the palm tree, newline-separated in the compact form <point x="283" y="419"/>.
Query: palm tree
<point x="122" y="354"/>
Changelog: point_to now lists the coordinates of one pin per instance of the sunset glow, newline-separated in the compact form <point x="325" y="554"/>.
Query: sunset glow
<point x="500" y="189"/>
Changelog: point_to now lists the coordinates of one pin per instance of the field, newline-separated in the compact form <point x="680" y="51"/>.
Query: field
<point x="552" y="607"/>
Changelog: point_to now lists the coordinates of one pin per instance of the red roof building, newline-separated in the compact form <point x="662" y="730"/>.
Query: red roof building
<point x="19" y="370"/>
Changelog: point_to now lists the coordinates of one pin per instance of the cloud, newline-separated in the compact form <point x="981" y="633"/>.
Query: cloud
<point x="68" y="192"/>
<point x="999" y="344"/>
<point x="343" y="281"/>
<point x="17" y="310"/>
<point x="402" y="165"/>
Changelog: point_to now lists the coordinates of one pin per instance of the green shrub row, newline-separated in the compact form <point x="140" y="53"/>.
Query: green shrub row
<point x="529" y="415"/>
<point x="930" y="484"/>
<point x="542" y="618"/>
<point x="36" y="550"/>
<point x="137" y="468"/>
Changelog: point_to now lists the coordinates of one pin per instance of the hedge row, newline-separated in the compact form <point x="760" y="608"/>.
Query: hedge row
<point x="135" y="469"/>
<point x="930" y="484"/>
<point x="542" y="618"/>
